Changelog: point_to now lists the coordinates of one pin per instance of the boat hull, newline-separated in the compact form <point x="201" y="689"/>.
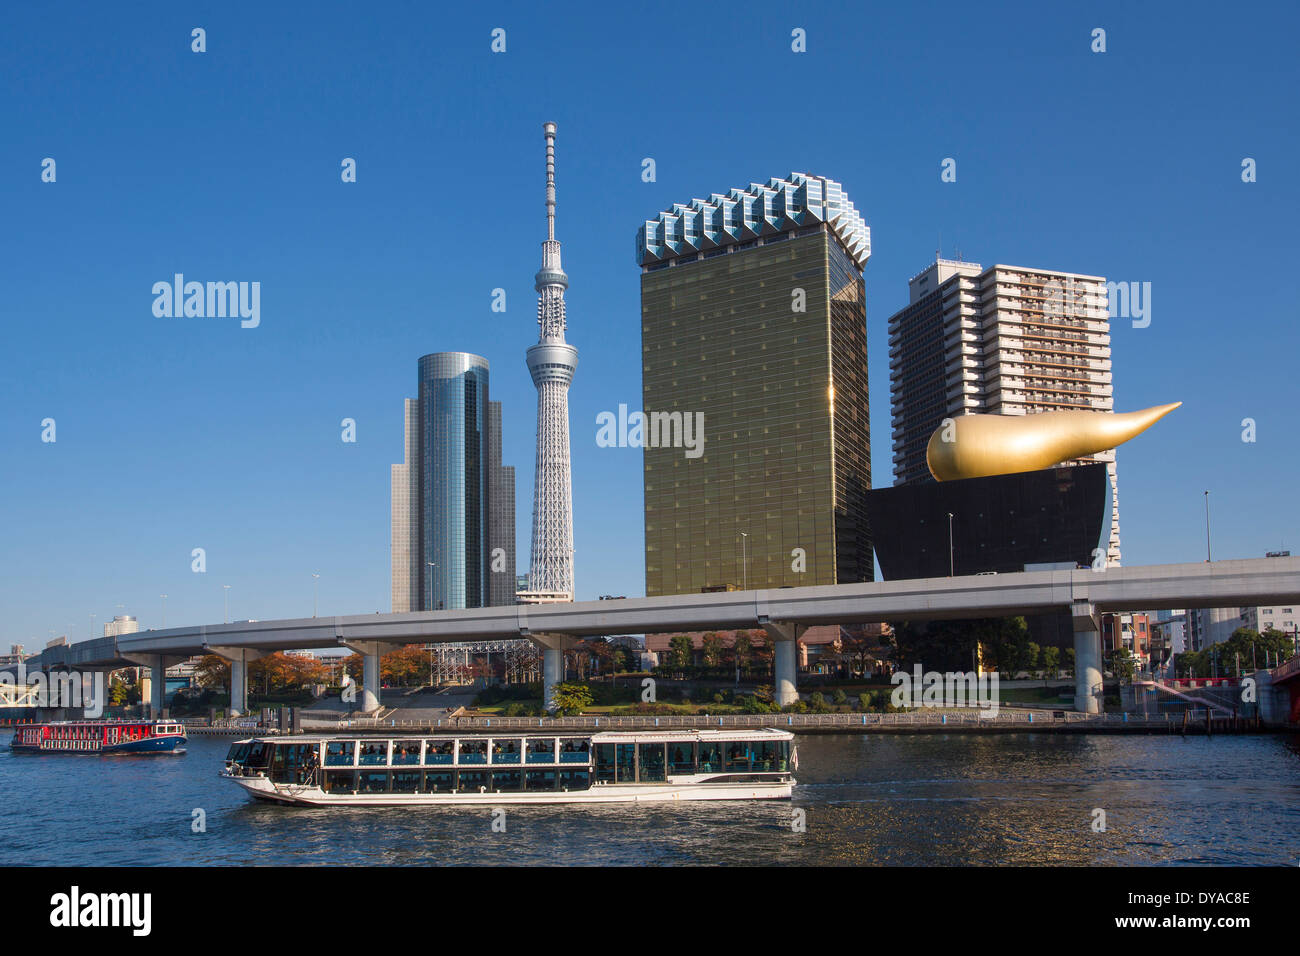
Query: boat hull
<point x="312" y="796"/>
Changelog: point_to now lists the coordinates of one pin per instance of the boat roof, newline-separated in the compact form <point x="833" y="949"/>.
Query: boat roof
<point x="601" y="736"/>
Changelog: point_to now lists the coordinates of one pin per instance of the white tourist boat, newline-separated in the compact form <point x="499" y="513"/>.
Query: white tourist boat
<point x="515" y="768"/>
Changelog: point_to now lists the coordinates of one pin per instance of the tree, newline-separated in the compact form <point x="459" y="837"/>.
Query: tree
<point x="743" y="650"/>
<point x="212" y="671"/>
<point x="839" y="698"/>
<point x="1030" y="660"/>
<point x="1052" y="661"/>
<point x="681" y="651"/>
<point x="712" y="650"/>
<point x="1069" y="659"/>
<point x="571" y="699"/>
<point x="1123" y="665"/>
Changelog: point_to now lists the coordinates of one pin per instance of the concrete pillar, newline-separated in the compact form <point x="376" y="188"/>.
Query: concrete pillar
<point x="370" y="683"/>
<point x="370" y="652"/>
<point x="159" y="677"/>
<point x="239" y="658"/>
<point x="1087" y="660"/>
<point x="552" y="674"/>
<point x="146" y="686"/>
<point x="785" y="646"/>
<point x="238" y="688"/>
<point x="783" y="661"/>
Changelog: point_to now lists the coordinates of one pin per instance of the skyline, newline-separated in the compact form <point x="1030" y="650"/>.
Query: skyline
<point x="174" y="433"/>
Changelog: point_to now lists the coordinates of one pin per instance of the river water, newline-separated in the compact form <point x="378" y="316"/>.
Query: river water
<point x="869" y="800"/>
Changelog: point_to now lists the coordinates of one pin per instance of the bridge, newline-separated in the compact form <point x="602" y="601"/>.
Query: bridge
<point x="784" y="613"/>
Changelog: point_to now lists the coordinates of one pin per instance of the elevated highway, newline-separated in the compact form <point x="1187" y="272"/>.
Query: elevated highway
<point x="784" y="613"/>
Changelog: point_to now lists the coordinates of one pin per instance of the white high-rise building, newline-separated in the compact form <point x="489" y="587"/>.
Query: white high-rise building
<point x="121" y="624"/>
<point x="551" y="362"/>
<point x="1004" y="340"/>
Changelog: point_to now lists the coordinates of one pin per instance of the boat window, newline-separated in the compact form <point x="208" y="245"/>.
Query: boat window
<point x="289" y="765"/>
<point x="575" y="750"/>
<point x="238" y="753"/>
<point x="259" y="755"/>
<point x="652" y="762"/>
<point x="506" y="780"/>
<point x="766" y="755"/>
<point x="374" y="753"/>
<point x="681" y="756"/>
<point x="783" y="755"/>
<point x="505" y="750"/>
<point x="605" y="763"/>
<point x="439" y="751"/>
<point x="737" y="755"/>
<point x="406" y="752"/>
<point x="710" y="756"/>
<point x="340" y="781"/>
<point x="575" y="779"/>
<point x="626" y="762"/>
<point x="340" y="753"/>
<point x="439" y="781"/>
<point x="541" y="750"/>
<point x="471" y="781"/>
<point x="372" y="781"/>
<point x="539" y="779"/>
<point x="473" y="751"/>
<point x="406" y="781"/>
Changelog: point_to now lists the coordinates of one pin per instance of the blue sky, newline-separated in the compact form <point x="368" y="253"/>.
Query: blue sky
<point x="177" y="433"/>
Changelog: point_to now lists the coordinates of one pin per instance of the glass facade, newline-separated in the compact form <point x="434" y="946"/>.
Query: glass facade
<point x="454" y="488"/>
<point x="783" y="392"/>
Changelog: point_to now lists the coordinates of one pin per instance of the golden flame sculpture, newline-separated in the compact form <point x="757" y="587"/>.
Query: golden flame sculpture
<point x="976" y="446"/>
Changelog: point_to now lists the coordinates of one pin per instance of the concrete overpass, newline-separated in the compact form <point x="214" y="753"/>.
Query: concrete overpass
<point x="784" y="613"/>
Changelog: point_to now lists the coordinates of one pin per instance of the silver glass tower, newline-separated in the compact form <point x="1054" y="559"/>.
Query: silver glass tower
<point x="551" y="362"/>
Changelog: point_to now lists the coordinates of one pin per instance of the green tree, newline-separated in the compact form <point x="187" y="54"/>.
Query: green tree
<point x="743" y="649"/>
<point x="681" y="650"/>
<point x="571" y="699"/>
<point x="1051" y="661"/>
<point x="839" y="697"/>
<point x="1030" y="660"/>
<point x="1123" y="665"/>
<point x="865" y="701"/>
<point x="712" y="650"/>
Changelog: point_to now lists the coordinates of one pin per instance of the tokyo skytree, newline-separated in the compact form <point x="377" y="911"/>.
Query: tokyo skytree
<point x="552" y="362"/>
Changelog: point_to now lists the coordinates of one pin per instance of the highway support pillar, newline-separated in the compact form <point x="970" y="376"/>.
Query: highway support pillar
<point x="1087" y="659"/>
<point x="785" y="642"/>
<point x="239" y="658"/>
<point x="553" y="647"/>
<point x="153" y="680"/>
<point x="371" y="652"/>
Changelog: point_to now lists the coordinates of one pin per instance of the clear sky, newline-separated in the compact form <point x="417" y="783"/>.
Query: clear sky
<point x="180" y="433"/>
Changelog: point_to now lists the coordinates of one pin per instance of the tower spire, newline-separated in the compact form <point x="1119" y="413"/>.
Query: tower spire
<point x="549" y="128"/>
<point x="551" y="362"/>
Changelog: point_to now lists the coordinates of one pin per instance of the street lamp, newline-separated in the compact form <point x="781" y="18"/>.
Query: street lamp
<point x="1207" y="527"/>
<point x="315" y="591"/>
<point x="949" y="544"/>
<point x="227" y="588"/>
<point x="744" y="560"/>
